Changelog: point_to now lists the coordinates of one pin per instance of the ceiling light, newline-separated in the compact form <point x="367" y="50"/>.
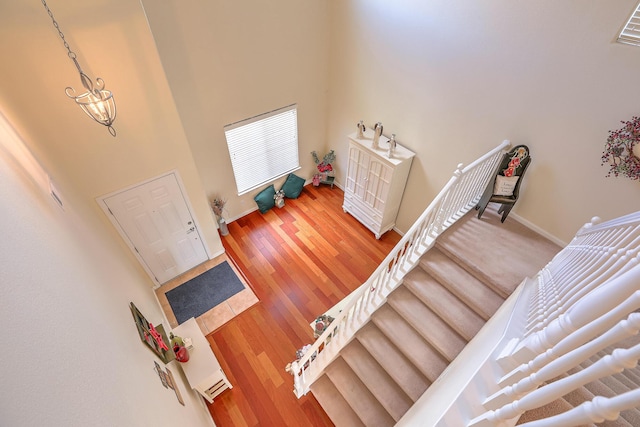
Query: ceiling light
<point x="97" y="102"/>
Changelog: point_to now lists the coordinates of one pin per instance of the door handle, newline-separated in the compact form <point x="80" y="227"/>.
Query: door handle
<point x="191" y="230"/>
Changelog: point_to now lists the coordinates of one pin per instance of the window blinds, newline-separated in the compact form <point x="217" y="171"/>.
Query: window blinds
<point x="264" y="147"/>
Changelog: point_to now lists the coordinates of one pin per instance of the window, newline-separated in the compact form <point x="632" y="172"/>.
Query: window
<point x="264" y="147"/>
<point x="630" y="34"/>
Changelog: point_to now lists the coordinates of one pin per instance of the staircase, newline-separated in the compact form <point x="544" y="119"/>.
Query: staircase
<point x="440" y="306"/>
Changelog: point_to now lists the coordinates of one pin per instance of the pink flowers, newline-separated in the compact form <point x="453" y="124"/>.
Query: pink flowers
<point x="325" y="167"/>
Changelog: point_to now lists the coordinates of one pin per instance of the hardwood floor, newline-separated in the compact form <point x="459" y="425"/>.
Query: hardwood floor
<point x="300" y="261"/>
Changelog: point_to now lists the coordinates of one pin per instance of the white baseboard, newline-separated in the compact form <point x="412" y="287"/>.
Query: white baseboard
<point x="538" y="230"/>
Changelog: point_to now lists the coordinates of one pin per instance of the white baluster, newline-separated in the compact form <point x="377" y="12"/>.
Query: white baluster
<point x="571" y="351"/>
<point x="601" y="300"/>
<point x="616" y="362"/>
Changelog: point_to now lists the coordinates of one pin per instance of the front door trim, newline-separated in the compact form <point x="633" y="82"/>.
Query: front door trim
<point x="125" y="237"/>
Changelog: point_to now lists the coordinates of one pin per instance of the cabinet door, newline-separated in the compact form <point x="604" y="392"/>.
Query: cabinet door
<point x="357" y="172"/>
<point x="378" y="182"/>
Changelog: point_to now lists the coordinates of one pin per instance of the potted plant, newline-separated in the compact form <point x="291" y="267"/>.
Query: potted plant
<point x="217" y="205"/>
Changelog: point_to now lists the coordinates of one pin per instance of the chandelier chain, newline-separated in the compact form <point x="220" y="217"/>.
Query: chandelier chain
<point x="71" y="53"/>
<point x="97" y="102"/>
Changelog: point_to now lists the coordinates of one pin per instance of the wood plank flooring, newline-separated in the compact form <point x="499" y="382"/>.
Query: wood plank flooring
<point x="300" y="261"/>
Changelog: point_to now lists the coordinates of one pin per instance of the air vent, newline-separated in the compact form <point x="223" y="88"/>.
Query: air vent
<point x="55" y="194"/>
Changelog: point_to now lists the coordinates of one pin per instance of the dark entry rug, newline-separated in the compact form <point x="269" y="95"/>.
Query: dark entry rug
<point x="202" y="293"/>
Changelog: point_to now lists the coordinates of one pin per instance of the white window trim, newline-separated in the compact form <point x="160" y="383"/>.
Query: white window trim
<point x="263" y="148"/>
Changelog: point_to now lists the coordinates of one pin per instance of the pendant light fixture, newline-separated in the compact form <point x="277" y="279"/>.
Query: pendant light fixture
<point x="97" y="102"/>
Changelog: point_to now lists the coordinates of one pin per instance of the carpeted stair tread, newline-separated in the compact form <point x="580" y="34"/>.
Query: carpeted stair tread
<point x="432" y="328"/>
<point x="616" y="383"/>
<point x="554" y="408"/>
<point x="632" y="374"/>
<point x="502" y="254"/>
<point x="334" y="404"/>
<point x="477" y="295"/>
<point x="599" y="388"/>
<point x="625" y="381"/>
<point x="580" y="395"/>
<point x="610" y="386"/>
<point x="355" y="392"/>
<point x="447" y="306"/>
<point x="403" y="372"/>
<point x="377" y="380"/>
<point x="632" y="416"/>
<point x="409" y="342"/>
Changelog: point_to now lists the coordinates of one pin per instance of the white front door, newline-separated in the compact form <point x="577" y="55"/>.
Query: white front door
<point x="155" y="218"/>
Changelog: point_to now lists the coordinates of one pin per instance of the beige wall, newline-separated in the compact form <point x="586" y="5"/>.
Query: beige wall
<point x="454" y="78"/>
<point x="450" y="78"/>
<point x="230" y="60"/>
<point x="112" y="41"/>
<point x="72" y="355"/>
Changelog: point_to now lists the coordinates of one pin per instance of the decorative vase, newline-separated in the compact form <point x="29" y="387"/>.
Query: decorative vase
<point x="182" y="354"/>
<point x="222" y="224"/>
<point x="361" y="129"/>
<point x="377" y="131"/>
<point x="392" y="145"/>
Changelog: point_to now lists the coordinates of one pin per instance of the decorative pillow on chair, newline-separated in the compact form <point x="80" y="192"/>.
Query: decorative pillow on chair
<point x="264" y="199"/>
<point x="293" y="186"/>
<point x="505" y="185"/>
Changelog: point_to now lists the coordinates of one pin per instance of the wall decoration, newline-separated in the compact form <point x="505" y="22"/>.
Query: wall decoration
<point x="622" y="149"/>
<point x="153" y="336"/>
<point x="167" y="380"/>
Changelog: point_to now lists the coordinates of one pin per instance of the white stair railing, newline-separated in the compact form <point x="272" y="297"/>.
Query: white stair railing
<point x="595" y="255"/>
<point x="555" y="368"/>
<point x="608" y="365"/>
<point x="587" y="300"/>
<point x="460" y="194"/>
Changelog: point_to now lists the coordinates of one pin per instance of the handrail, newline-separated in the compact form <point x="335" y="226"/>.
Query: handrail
<point x="459" y="195"/>
<point x="586" y="301"/>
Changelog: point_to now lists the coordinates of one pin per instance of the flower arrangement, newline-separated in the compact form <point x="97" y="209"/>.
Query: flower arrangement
<point x="619" y="150"/>
<point x="321" y="324"/>
<point x="325" y="169"/>
<point x="217" y="205"/>
<point x="324" y="166"/>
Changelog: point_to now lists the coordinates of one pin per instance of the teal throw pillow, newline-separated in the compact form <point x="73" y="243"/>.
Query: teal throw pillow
<point x="264" y="199"/>
<point x="293" y="186"/>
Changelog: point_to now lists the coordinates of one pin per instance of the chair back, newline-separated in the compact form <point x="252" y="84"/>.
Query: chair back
<point x="515" y="162"/>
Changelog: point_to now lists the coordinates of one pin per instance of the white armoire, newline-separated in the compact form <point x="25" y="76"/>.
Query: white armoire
<point x="375" y="182"/>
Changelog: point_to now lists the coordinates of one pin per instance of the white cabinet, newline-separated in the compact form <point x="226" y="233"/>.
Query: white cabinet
<point x="375" y="183"/>
<point x="202" y="370"/>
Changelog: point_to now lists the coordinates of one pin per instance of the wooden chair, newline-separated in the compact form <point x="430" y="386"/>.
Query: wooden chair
<point x="504" y="187"/>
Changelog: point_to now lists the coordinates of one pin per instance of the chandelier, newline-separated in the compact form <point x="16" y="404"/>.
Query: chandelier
<point x="96" y="102"/>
